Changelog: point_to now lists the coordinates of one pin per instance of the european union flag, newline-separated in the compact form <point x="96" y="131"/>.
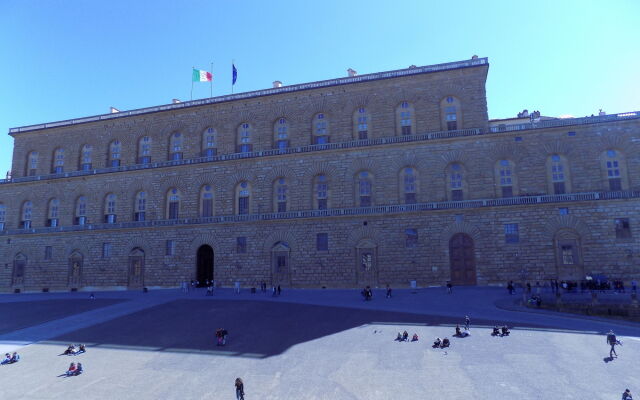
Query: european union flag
<point x="234" y="74"/>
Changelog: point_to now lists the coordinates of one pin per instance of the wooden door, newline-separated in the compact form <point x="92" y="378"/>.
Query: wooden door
<point x="462" y="259"/>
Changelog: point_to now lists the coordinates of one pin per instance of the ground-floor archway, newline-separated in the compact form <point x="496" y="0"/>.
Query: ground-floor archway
<point x="204" y="264"/>
<point x="136" y="268"/>
<point x="462" y="260"/>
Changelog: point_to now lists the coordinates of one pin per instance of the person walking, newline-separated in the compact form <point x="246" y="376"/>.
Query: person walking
<point x="449" y="287"/>
<point x="239" y="389"/>
<point x="467" y="321"/>
<point x="279" y="290"/>
<point x="388" y="291"/>
<point x="612" y="341"/>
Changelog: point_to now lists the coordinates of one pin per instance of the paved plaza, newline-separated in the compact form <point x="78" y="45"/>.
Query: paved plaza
<point x="308" y="344"/>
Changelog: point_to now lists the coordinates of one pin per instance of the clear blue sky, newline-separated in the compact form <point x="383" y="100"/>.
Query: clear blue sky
<point x="71" y="58"/>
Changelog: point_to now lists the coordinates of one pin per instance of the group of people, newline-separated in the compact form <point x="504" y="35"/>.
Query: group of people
<point x="10" y="358"/>
<point x="221" y="336"/>
<point x="500" y="331"/>
<point x="441" y="344"/>
<point x="462" y="333"/>
<point x="404" y="337"/>
<point x="72" y="351"/>
<point x="74" y="370"/>
<point x="367" y="293"/>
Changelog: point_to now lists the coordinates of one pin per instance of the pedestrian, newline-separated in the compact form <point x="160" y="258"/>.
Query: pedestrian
<point x="273" y="291"/>
<point x="239" y="389"/>
<point x="388" y="291"/>
<point x="612" y="341"/>
<point x="538" y="288"/>
<point x="634" y="286"/>
<point x="467" y="321"/>
<point x="92" y="296"/>
<point x="263" y="287"/>
<point x="528" y="288"/>
<point x="627" y="395"/>
<point x="237" y="287"/>
<point x="449" y="287"/>
<point x="279" y="290"/>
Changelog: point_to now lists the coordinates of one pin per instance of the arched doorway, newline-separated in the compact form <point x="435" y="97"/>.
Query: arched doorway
<point x="136" y="268"/>
<point x="75" y="269"/>
<point x="462" y="259"/>
<point x="366" y="263"/>
<point x="204" y="264"/>
<point x="280" y="253"/>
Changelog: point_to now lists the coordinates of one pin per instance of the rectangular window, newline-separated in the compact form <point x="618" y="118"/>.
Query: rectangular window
<point x="241" y="244"/>
<point x="52" y="222"/>
<point x="115" y="163"/>
<point x="567" y="254"/>
<point x="411" y="238"/>
<point x="48" y="252"/>
<point x="615" y="184"/>
<point x="322" y="242"/>
<point x="173" y="210"/>
<point x="406" y="130"/>
<point x="452" y="125"/>
<point x="322" y="204"/>
<point x="110" y="219"/>
<point x="507" y="191"/>
<point x="321" y="139"/>
<point x="106" y="250"/>
<point x="558" y="187"/>
<point x="82" y="220"/>
<point x="456" y="195"/>
<point x="211" y="152"/>
<point x="86" y="166"/>
<point x="623" y="229"/>
<point x="58" y="170"/>
<point x="144" y="160"/>
<point x="365" y="201"/>
<point x="511" y="234"/>
<point x="207" y="207"/>
<point x="244" y="148"/>
<point x="243" y="205"/>
<point x="176" y="156"/>
<point x="139" y="216"/>
<point x="282" y="206"/>
<point x="282" y="144"/>
<point x="563" y="211"/>
<point x="410" y="198"/>
<point x="171" y="248"/>
<point x="362" y="135"/>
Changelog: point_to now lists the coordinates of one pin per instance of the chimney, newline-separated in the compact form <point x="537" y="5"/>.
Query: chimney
<point x="175" y="101"/>
<point x="277" y="84"/>
<point x="352" y="72"/>
<point x="113" y="110"/>
<point x="600" y="113"/>
<point x="474" y="57"/>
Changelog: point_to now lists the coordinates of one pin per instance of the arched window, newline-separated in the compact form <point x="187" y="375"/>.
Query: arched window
<point x="58" y="161"/>
<point x="110" y="208"/>
<point x="320" y="129"/>
<point x="32" y="163"/>
<point x="81" y="211"/>
<point x="173" y="203"/>
<point x="361" y="124"/>
<point x="405" y="119"/>
<point x="455" y="181"/>
<point x="175" y="146"/>
<point x="409" y="185"/>
<point x="52" y="214"/>
<point x="209" y="144"/>
<point x="450" y="112"/>
<point x="244" y="138"/>
<point x="206" y="201"/>
<point x="243" y="196"/>
<point x="505" y="177"/>
<point x="27" y="209"/>
<point x="281" y="133"/>
<point x="140" y="206"/>
<point x="281" y="195"/>
<point x="115" y="149"/>
<point x="321" y="192"/>
<point x="558" y="174"/>
<point x="3" y="216"/>
<point x="85" y="157"/>
<point x="144" y="150"/>
<point x="364" y="185"/>
<point x="614" y="171"/>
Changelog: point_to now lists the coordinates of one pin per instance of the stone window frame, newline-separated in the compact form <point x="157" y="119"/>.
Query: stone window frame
<point x="48" y="253"/>
<point x="173" y="203"/>
<point x="209" y="147"/>
<point x="506" y="178"/>
<point x="322" y="241"/>
<point x="241" y="245"/>
<point x="145" y="150"/>
<point x="406" y="194"/>
<point x="110" y="205"/>
<point x="447" y="117"/>
<point x="26" y="214"/>
<point x="281" y="130"/>
<point x="3" y="216"/>
<point x="321" y="192"/>
<point x="53" y="212"/>
<point x="280" y="190"/>
<point x="240" y="193"/>
<point x="411" y="238"/>
<point x="612" y="160"/>
<point x="553" y="161"/>
<point x="140" y="201"/>
<point x="459" y="191"/>
<point x="106" y="250"/>
<point x="176" y="146"/>
<point x="206" y="195"/>
<point x="623" y="228"/>
<point x="81" y="209"/>
<point x="320" y="133"/>
<point x="31" y="167"/>
<point x="57" y="162"/>
<point x="170" y="248"/>
<point x="361" y="123"/>
<point x="363" y="183"/>
<point x="511" y="233"/>
<point x="405" y="126"/>
<point x="85" y="159"/>
<point x="114" y="158"/>
<point x="244" y="138"/>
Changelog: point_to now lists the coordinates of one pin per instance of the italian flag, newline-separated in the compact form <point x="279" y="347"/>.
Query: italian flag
<point x="202" y="76"/>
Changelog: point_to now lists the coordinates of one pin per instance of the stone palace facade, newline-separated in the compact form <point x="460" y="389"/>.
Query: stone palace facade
<point x="375" y="179"/>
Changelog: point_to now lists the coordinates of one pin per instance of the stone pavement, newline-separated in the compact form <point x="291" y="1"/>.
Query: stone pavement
<point x="307" y="344"/>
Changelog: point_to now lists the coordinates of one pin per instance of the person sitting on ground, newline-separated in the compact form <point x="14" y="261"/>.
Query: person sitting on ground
<point x="627" y="395"/>
<point x="78" y="369"/>
<point x="496" y="331"/>
<point x="14" y="358"/>
<point x="81" y="349"/>
<point x="445" y="343"/>
<point x="399" y="337"/>
<point x="458" y="333"/>
<point x="415" y="337"/>
<point x="405" y="336"/>
<point x="219" y="337"/>
<point x="437" y="343"/>
<point x="72" y="369"/>
<point x="505" y="331"/>
<point x="7" y="359"/>
<point x="71" y="349"/>
<point x="465" y="333"/>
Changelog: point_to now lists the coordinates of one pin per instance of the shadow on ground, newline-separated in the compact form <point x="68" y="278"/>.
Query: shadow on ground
<point x="256" y="329"/>
<point x="19" y="315"/>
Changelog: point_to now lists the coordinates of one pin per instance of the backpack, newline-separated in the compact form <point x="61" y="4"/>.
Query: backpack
<point x="611" y="339"/>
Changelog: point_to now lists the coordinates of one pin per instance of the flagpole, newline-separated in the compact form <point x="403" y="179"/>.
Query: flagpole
<point x="233" y="64"/>
<point x="192" y="68"/>
<point x="211" y="80"/>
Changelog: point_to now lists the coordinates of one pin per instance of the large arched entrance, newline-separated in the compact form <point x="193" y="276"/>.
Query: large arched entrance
<point x="19" y="264"/>
<point x="136" y="268"/>
<point x="75" y="269"/>
<point x="204" y="264"/>
<point x="280" y="274"/>
<point x="462" y="259"/>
